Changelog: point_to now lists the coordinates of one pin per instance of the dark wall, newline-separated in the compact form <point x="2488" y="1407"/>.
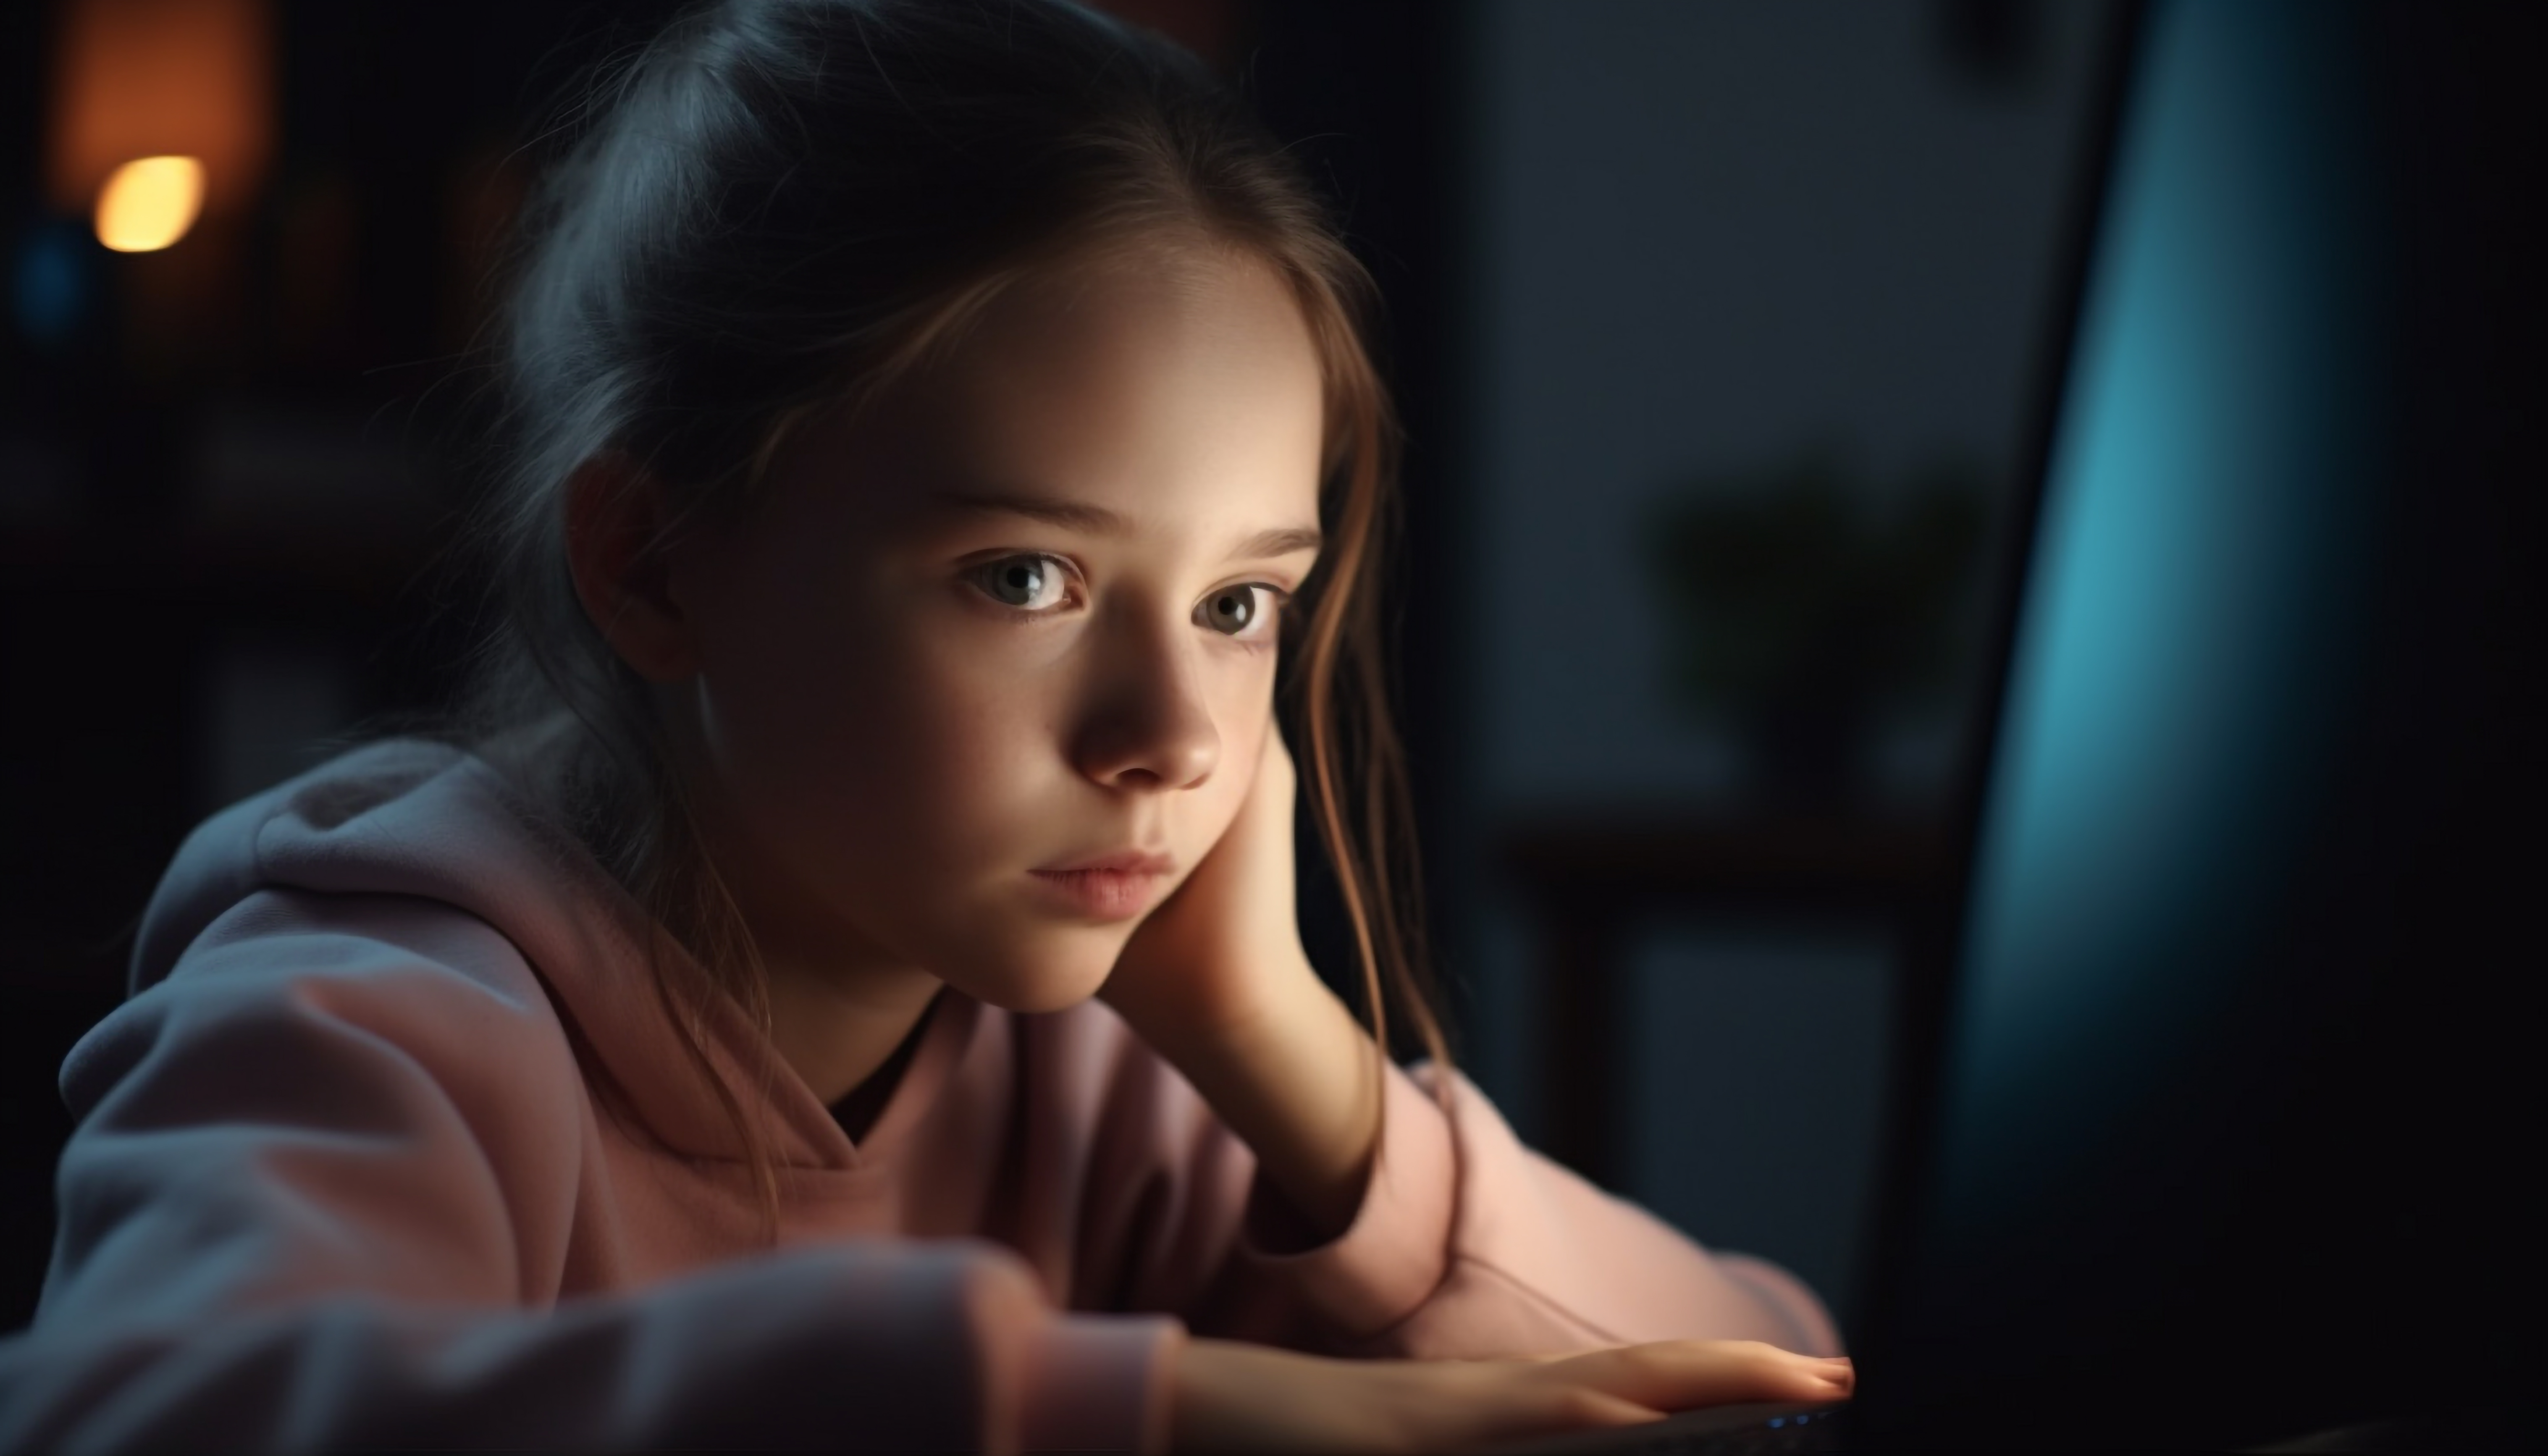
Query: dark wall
<point x="1754" y="301"/>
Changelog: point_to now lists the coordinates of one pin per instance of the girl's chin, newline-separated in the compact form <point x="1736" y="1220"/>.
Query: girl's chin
<point x="1046" y="977"/>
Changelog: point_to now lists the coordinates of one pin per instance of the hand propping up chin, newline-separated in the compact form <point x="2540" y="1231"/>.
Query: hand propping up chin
<point x="1226" y="945"/>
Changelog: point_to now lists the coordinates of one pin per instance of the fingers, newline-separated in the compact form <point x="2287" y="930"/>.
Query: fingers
<point x="1237" y="1397"/>
<point x="1677" y="1375"/>
<point x="1575" y="1407"/>
<point x="1552" y="1356"/>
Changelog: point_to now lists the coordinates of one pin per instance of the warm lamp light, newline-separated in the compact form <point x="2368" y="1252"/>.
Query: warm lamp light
<point x="157" y="80"/>
<point x="147" y="204"/>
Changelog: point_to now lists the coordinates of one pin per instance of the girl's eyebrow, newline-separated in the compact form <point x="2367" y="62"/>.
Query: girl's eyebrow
<point x="1277" y="541"/>
<point x="1097" y="520"/>
<point x="1070" y="516"/>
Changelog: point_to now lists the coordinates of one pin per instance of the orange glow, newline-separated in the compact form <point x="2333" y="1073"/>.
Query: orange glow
<point x="147" y="204"/>
<point x="160" y="78"/>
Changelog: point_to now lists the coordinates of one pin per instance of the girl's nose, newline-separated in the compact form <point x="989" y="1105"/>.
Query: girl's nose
<point x="1149" y="726"/>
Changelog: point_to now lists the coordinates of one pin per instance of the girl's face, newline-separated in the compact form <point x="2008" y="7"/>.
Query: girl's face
<point x="1019" y="614"/>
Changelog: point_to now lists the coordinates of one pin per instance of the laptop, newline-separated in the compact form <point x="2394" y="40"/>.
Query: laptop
<point x="2213" y="1126"/>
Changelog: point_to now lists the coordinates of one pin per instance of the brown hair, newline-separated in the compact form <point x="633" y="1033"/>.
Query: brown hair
<point x="778" y="204"/>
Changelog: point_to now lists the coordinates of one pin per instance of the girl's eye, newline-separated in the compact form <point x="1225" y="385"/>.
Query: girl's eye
<point x="1028" y="582"/>
<point x="1236" y="611"/>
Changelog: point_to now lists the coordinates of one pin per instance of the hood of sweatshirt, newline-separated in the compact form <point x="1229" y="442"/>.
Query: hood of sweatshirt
<point x="416" y="818"/>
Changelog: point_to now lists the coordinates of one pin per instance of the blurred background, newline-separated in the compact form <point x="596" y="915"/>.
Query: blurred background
<point x="1718" y="327"/>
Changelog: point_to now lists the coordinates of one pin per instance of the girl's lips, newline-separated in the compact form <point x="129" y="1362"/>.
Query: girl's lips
<point x="1102" y="894"/>
<point x="1134" y="861"/>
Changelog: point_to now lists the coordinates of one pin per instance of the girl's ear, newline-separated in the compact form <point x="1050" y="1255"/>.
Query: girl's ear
<point x="617" y="519"/>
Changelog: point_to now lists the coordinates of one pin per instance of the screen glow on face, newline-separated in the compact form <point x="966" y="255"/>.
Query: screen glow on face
<point x="1023" y="609"/>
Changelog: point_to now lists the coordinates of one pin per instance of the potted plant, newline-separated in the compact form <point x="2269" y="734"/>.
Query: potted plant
<point x="1807" y="617"/>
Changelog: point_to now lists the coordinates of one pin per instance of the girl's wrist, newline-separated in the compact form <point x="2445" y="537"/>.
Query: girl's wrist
<point x="1261" y="1003"/>
<point x="1297" y="1078"/>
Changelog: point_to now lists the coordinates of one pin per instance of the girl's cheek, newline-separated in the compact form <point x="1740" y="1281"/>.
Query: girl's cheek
<point x="804" y="718"/>
<point x="949" y="728"/>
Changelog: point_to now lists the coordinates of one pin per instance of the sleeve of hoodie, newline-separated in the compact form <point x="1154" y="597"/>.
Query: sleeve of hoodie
<point x="318" y="1199"/>
<point x="1467" y="1245"/>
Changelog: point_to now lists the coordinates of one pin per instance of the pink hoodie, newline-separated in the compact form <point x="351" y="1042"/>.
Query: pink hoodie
<point x="345" y="1175"/>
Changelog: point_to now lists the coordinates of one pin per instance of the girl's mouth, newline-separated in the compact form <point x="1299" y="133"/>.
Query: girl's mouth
<point x="1101" y="894"/>
<point x="1110" y="885"/>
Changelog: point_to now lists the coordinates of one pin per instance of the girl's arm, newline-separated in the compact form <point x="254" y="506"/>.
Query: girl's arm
<point x="320" y="1198"/>
<point x="1412" y="1233"/>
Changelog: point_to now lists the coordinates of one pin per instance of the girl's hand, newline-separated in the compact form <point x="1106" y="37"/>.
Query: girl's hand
<point x="1226" y="945"/>
<point x="1240" y="1397"/>
<point x="1217" y="983"/>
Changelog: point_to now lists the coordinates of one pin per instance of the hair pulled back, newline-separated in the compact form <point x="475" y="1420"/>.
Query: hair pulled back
<point x="776" y="206"/>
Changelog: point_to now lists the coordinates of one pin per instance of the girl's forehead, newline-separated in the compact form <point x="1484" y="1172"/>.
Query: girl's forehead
<point x="1133" y="325"/>
<point x="1190" y="385"/>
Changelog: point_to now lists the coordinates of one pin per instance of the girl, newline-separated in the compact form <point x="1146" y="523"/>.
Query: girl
<point x="838" y="984"/>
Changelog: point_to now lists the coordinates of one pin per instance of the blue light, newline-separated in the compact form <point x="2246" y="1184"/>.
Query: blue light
<point x="2186" y="624"/>
<point x="1776" y="1422"/>
<point x="51" y="290"/>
